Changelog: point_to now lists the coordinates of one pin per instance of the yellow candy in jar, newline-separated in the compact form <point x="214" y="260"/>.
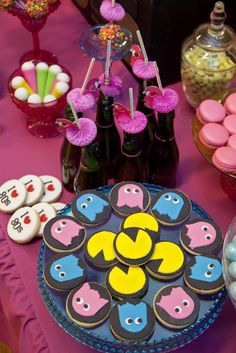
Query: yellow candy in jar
<point x="208" y="62"/>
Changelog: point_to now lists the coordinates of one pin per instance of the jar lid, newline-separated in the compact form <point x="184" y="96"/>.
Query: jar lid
<point x="215" y="35"/>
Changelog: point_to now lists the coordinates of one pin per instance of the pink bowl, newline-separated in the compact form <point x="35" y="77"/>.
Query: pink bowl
<point x="40" y="117"/>
<point x="213" y="135"/>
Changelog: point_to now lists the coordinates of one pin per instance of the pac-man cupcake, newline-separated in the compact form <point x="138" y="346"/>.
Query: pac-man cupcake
<point x="64" y="234"/>
<point x="203" y="274"/>
<point x="89" y="304"/>
<point x="91" y="207"/>
<point x="176" y="306"/>
<point x="171" y="207"/>
<point x="127" y="282"/>
<point x="132" y="320"/>
<point x="167" y="261"/>
<point x="201" y="237"/>
<point x="129" y="197"/>
<point x="145" y="221"/>
<point x="133" y="246"/>
<point x="99" y="250"/>
<point x="65" y="272"/>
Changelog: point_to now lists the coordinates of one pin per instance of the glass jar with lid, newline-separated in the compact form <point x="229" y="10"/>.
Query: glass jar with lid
<point x="208" y="59"/>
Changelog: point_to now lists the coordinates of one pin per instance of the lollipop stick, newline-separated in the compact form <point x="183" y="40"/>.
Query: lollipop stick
<point x="113" y="3"/>
<point x="108" y="63"/>
<point x="158" y="77"/>
<point x="131" y="102"/>
<point x="87" y="75"/>
<point x="140" y="39"/>
<point x="74" y="114"/>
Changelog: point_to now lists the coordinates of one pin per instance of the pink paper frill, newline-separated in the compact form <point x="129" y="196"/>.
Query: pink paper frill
<point x="114" y="14"/>
<point x="84" y="135"/>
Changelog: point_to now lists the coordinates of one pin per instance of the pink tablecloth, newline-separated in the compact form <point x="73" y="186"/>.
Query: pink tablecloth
<point x="31" y="327"/>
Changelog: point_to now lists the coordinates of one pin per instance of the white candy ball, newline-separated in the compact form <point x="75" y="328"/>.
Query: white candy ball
<point x="230" y="251"/>
<point x="232" y="290"/>
<point x="21" y="93"/>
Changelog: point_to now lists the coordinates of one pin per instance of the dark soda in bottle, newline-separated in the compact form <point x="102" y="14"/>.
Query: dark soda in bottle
<point x="163" y="153"/>
<point x="90" y="173"/>
<point x="107" y="135"/>
<point x="132" y="165"/>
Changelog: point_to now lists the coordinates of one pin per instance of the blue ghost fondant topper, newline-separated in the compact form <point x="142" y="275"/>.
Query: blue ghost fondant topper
<point x="169" y="204"/>
<point x="206" y="269"/>
<point x="66" y="269"/>
<point x="90" y="205"/>
<point x="133" y="318"/>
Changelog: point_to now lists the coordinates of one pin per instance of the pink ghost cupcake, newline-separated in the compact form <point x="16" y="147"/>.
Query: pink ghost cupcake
<point x="210" y="111"/>
<point x="230" y="104"/>
<point x="230" y="123"/>
<point x="232" y="142"/>
<point x="213" y="135"/>
<point x="224" y="158"/>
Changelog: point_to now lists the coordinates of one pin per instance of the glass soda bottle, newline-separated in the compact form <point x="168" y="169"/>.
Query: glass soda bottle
<point x="69" y="157"/>
<point x="107" y="135"/>
<point x="149" y="132"/>
<point x="132" y="165"/>
<point x="163" y="153"/>
<point x="90" y="173"/>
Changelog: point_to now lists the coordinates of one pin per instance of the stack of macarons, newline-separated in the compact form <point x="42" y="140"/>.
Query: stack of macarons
<point x="40" y="83"/>
<point x="219" y="131"/>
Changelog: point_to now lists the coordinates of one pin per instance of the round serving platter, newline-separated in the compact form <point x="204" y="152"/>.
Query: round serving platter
<point x="101" y="338"/>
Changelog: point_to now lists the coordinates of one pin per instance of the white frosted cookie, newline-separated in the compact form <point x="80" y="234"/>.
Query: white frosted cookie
<point x="35" y="188"/>
<point x="23" y="225"/>
<point x="46" y="212"/>
<point x="58" y="206"/>
<point x="12" y="195"/>
<point x="52" y="189"/>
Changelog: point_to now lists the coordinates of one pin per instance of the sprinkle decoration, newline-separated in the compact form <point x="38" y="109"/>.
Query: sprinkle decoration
<point x="6" y="4"/>
<point x="36" y="8"/>
<point x="112" y="32"/>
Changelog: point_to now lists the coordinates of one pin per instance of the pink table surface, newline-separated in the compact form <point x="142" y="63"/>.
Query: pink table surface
<point x="30" y="326"/>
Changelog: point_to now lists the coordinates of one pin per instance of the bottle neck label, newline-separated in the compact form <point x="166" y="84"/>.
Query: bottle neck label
<point x="169" y="139"/>
<point x="131" y="155"/>
<point x="105" y="126"/>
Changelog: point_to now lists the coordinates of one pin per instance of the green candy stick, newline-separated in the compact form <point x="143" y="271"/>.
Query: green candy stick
<point x="41" y="75"/>
<point x="52" y="73"/>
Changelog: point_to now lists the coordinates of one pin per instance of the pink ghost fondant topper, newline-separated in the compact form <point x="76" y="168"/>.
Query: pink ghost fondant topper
<point x="64" y="230"/>
<point x="178" y="304"/>
<point x="130" y="195"/>
<point x="200" y="234"/>
<point x="87" y="301"/>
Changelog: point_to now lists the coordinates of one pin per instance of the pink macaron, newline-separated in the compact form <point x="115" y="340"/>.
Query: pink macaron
<point x="213" y="135"/>
<point x="232" y="142"/>
<point x="210" y="111"/>
<point x="230" y="123"/>
<point x="224" y="158"/>
<point x="230" y="104"/>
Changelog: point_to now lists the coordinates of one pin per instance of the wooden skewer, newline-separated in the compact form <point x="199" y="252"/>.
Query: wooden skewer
<point x="113" y="2"/>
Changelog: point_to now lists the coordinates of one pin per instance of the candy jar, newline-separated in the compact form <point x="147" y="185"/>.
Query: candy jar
<point x="208" y="62"/>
